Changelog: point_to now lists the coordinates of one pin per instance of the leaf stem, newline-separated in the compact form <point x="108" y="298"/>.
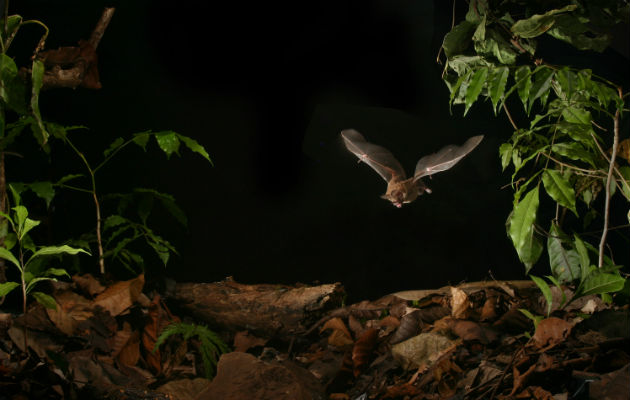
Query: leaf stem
<point x="611" y="167"/>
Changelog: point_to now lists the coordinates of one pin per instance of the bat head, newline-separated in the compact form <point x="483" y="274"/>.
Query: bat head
<point x="396" y="197"/>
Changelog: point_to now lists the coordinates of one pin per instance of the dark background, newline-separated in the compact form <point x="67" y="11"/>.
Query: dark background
<point x="266" y="88"/>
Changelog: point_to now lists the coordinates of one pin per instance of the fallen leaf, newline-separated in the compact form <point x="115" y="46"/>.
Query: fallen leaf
<point x="460" y="305"/>
<point x="551" y="332"/>
<point x="363" y="349"/>
<point x="72" y="308"/>
<point x="88" y="284"/>
<point x="121" y="295"/>
<point x="184" y="389"/>
<point x="244" y="341"/>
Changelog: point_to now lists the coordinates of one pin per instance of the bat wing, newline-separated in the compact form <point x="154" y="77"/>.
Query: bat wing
<point x="377" y="157"/>
<point x="445" y="158"/>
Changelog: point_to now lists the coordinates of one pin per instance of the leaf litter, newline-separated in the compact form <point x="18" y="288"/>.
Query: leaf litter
<point x="465" y="342"/>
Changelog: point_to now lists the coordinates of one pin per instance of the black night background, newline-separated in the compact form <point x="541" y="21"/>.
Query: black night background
<point x="266" y="87"/>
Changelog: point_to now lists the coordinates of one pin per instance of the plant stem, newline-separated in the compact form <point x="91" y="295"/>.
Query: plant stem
<point x="611" y="167"/>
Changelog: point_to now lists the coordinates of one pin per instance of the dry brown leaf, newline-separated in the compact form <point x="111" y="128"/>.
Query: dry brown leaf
<point x="244" y="341"/>
<point x="460" y="304"/>
<point x="120" y="339"/>
<point x="72" y="308"/>
<point x="88" y="284"/>
<point x="466" y="330"/>
<point x="489" y="309"/>
<point x="355" y="325"/>
<point x="130" y="353"/>
<point x="623" y="150"/>
<point x="535" y="393"/>
<point x="340" y="335"/>
<point x="363" y="349"/>
<point x="338" y="396"/>
<point x="121" y="295"/>
<point x="184" y="389"/>
<point x="551" y="332"/>
<point x="410" y="325"/>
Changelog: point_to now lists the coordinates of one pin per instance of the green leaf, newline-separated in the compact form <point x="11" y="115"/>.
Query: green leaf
<point x="523" y="78"/>
<point x="43" y="190"/>
<point x="168" y="202"/>
<point x="535" y="318"/>
<point x="145" y="206"/>
<point x="564" y="263"/>
<point x="45" y="300"/>
<point x="538" y="24"/>
<point x="577" y="115"/>
<point x="497" y="82"/>
<point x="7" y="287"/>
<point x="559" y="188"/>
<point x="33" y="281"/>
<point x="505" y="151"/>
<point x="20" y="213"/>
<point x="168" y="142"/>
<point x="37" y="76"/>
<point x="113" y="220"/>
<point x="160" y="248"/>
<point x="578" y="132"/>
<point x="521" y="229"/>
<point x="56" y="272"/>
<point x="12" y="25"/>
<point x="54" y="250"/>
<point x="68" y="178"/>
<point x="546" y="291"/>
<point x="541" y="85"/>
<point x="476" y="84"/>
<point x="585" y="261"/>
<point x="570" y="29"/>
<point x="599" y="283"/>
<point x="458" y="39"/>
<point x="28" y="225"/>
<point x="8" y="72"/>
<point x="195" y="147"/>
<point x="463" y="81"/>
<point x="141" y="139"/>
<point x="574" y="151"/>
<point x="112" y="147"/>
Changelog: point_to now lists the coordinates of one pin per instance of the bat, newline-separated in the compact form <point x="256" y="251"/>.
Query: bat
<point x="401" y="190"/>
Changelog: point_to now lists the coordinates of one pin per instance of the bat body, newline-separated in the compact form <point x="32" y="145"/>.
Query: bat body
<point x="400" y="189"/>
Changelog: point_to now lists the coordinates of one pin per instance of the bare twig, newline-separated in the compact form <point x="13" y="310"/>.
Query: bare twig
<point x="509" y="117"/>
<point x="611" y="167"/>
<point x="102" y="24"/>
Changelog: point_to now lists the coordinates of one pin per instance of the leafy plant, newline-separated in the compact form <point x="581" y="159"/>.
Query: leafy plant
<point x="29" y="258"/>
<point x="122" y="231"/>
<point x="574" y="116"/>
<point x="211" y="346"/>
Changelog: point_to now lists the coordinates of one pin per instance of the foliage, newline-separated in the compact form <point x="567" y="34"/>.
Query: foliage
<point x="122" y="231"/>
<point x="31" y="270"/>
<point x="573" y="116"/>
<point x="211" y="346"/>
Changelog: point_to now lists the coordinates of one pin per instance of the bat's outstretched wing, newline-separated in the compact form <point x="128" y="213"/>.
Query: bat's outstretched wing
<point x="445" y="158"/>
<point x="377" y="157"/>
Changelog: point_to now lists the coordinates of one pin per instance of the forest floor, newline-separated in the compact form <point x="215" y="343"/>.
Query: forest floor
<point x="300" y="342"/>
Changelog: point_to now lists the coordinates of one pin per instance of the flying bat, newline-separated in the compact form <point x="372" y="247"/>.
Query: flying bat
<point x="401" y="190"/>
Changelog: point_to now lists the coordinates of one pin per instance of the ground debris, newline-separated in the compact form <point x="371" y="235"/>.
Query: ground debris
<point x="469" y="342"/>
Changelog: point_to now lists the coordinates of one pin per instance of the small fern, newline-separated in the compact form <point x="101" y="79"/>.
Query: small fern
<point x="211" y="344"/>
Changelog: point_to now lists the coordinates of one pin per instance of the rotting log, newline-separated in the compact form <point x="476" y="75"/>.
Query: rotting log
<point x="270" y="311"/>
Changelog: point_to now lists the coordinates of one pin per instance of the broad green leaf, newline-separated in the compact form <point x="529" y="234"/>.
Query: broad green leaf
<point x="541" y="85"/>
<point x="56" y="272"/>
<point x="497" y="82"/>
<point x="577" y="115"/>
<point x="559" y="188"/>
<point x="495" y="46"/>
<point x="480" y="30"/>
<point x="574" y="151"/>
<point x="45" y="300"/>
<point x="43" y="190"/>
<point x="564" y="263"/>
<point x="112" y="147"/>
<point x="145" y="206"/>
<point x="521" y="228"/>
<point x="545" y="289"/>
<point x="578" y="132"/>
<point x="141" y="139"/>
<point x="7" y="287"/>
<point x="194" y="146"/>
<point x="160" y="249"/>
<point x="570" y="29"/>
<point x="28" y="225"/>
<point x="37" y="76"/>
<point x="538" y="24"/>
<point x="523" y="78"/>
<point x="168" y="142"/>
<point x="7" y="255"/>
<point x="458" y="39"/>
<point x="505" y="151"/>
<point x="114" y="220"/>
<point x="68" y="178"/>
<point x="168" y="202"/>
<point x="8" y="72"/>
<point x="559" y="286"/>
<point x="455" y="91"/>
<point x="33" y="281"/>
<point x="585" y="261"/>
<point x="20" y="213"/>
<point x="598" y="283"/>
<point x="476" y="85"/>
<point x="54" y="250"/>
<point x="12" y="25"/>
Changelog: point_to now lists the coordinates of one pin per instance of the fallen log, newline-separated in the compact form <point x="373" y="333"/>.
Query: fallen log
<point x="270" y="311"/>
